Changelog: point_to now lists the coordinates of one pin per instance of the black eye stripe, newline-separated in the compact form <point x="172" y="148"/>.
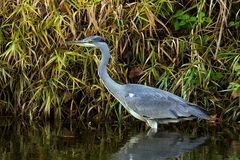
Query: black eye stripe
<point x="98" y="39"/>
<point x="93" y="39"/>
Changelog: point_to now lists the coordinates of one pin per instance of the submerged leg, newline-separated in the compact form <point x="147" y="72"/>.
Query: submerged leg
<point x="152" y="123"/>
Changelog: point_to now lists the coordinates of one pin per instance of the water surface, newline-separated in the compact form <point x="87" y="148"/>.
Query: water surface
<point x="64" y="140"/>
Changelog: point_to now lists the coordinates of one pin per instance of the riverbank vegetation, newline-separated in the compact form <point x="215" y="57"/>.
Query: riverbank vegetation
<point x="190" y="48"/>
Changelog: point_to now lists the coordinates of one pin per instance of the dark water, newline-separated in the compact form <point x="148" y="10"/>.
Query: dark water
<point x="65" y="141"/>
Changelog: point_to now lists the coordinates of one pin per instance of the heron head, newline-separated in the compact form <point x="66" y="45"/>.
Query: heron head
<point x="93" y="41"/>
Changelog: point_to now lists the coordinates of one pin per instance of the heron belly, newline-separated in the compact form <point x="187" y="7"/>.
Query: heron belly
<point x="134" y="114"/>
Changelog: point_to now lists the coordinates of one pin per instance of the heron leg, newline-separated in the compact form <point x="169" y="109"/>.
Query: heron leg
<point x="152" y="131"/>
<point x="152" y="123"/>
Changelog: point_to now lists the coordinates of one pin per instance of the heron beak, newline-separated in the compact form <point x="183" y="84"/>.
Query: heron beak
<point x="82" y="42"/>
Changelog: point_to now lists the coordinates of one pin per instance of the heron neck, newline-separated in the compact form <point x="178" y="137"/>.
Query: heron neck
<point x="107" y="81"/>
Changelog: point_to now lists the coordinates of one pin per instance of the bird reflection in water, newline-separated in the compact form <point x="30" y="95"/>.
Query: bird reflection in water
<point x="158" y="145"/>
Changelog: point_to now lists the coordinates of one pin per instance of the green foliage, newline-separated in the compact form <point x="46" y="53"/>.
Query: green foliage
<point x="235" y="24"/>
<point x="235" y="86"/>
<point x="180" y="47"/>
<point x="182" y="20"/>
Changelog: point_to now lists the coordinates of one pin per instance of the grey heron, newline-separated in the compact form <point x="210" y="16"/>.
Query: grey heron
<point x="148" y="104"/>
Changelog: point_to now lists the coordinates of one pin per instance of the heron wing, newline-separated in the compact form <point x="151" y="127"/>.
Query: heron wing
<point x="154" y="106"/>
<point x="158" y="104"/>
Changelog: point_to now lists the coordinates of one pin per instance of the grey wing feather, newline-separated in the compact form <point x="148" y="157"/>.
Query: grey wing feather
<point x="158" y="104"/>
<point x="155" y="106"/>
